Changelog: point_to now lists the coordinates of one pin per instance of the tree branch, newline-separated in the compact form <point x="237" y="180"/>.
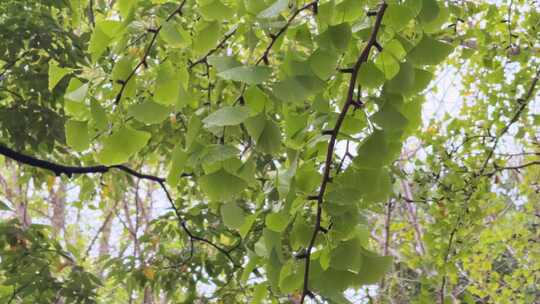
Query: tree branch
<point x="149" y="48"/>
<point x="282" y="30"/>
<point x="59" y="169"/>
<point x="212" y="51"/>
<point x="333" y="139"/>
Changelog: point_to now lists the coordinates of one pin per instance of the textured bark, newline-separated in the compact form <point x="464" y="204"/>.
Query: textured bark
<point x="58" y="204"/>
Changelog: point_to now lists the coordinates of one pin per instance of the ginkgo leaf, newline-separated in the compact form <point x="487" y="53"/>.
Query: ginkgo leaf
<point x="335" y="38"/>
<point x="265" y="132"/>
<point x="387" y="63"/>
<point x="430" y="11"/>
<point x="404" y="81"/>
<point x="389" y="118"/>
<point x="348" y="11"/>
<point x="373" y="268"/>
<point x="347" y="256"/>
<point x="178" y="162"/>
<point x="323" y="63"/>
<point x="216" y="10"/>
<point x="277" y="221"/>
<point x="56" y="74"/>
<point x="297" y="89"/>
<point x="149" y="112"/>
<point x="78" y="94"/>
<point x="167" y="87"/>
<point x="223" y="63"/>
<point x="77" y="135"/>
<point x="174" y="36"/>
<point x="207" y="37"/>
<point x="222" y="185"/>
<point x="429" y="51"/>
<point x="274" y="10"/>
<point x="398" y="16"/>
<point x="247" y="74"/>
<point x="103" y="34"/>
<point x="369" y="76"/>
<point x="226" y="116"/>
<point x="121" y="145"/>
<point x="232" y="215"/>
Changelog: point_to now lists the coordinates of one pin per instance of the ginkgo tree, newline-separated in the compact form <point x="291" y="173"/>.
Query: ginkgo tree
<point x="268" y="151"/>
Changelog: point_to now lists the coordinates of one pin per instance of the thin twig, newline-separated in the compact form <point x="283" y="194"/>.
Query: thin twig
<point x="149" y="48"/>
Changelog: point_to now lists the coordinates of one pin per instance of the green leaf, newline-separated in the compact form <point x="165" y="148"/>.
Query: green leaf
<point x="374" y="152"/>
<point x="389" y="118"/>
<point x="248" y="223"/>
<point x="348" y="11"/>
<point x="207" y="37"/>
<point x="429" y="51"/>
<point x="226" y="116"/>
<point x="260" y="293"/>
<point x="121" y="145"/>
<point x="422" y="78"/>
<point x="149" y="112"/>
<point x="102" y="36"/>
<point x="373" y="268"/>
<point x="99" y="116"/>
<point x="347" y="256"/>
<point x="290" y="277"/>
<point x="255" y="99"/>
<point x="77" y="135"/>
<point x="174" y="36"/>
<point x="78" y="94"/>
<point x="430" y="11"/>
<point x="300" y="234"/>
<point x="223" y="63"/>
<point x="404" y="81"/>
<point x="167" y="88"/>
<point x="216" y="10"/>
<point x="178" y="162"/>
<point x="323" y="63"/>
<point x="122" y="68"/>
<point x="232" y="215"/>
<point x="247" y="74"/>
<point x="125" y="7"/>
<point x="265" y="133"/>
<point x="387" y="63"/>
<point x="297" y="89"/>
<point x="56" y="74"/>
<point x="307" y="178"/>
<point x="335" y="38"/>
<point x="369" y="76"/>
<point x="222" y="185"/>
<point x="274" y="10"/>
<point x="277" y="221"/>
<point x="397" y="16"/>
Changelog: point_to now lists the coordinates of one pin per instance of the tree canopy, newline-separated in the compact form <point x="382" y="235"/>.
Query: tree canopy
<point x="269" y="151"/>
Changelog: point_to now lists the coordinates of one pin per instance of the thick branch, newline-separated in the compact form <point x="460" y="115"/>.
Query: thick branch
<point x="59" y="169"/>
<point x="333" y="139"/>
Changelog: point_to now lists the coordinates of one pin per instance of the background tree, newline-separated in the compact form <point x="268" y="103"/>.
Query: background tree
<point x="261" y="151"/>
